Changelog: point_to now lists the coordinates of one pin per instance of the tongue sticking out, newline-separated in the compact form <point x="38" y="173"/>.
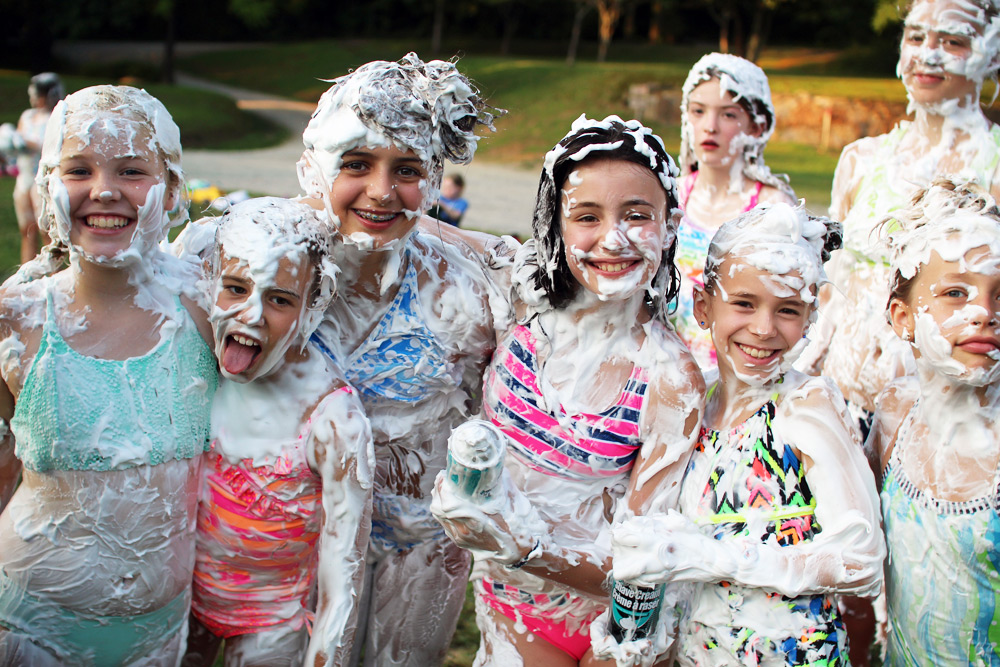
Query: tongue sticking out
<point x="237" y="357"/>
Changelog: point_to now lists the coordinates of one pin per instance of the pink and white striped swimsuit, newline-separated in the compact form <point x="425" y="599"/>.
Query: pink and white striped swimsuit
<point x="595" y="446"/>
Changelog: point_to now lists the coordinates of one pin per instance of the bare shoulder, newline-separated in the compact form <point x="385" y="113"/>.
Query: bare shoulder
<point x="817" y="397"/>
<point x="22" y="306"/>
<point x="673" y="374"/>
<point x="772" y="195"/>
<point x="895" y="402"/>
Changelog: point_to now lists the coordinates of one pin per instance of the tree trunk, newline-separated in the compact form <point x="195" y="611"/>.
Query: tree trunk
<point x="509" y="13"/>
<point x="608" y="13"/>
<point x="438" y="27"/>
<point x="628" y="25"/>
<point x="574" y="35"/>
<point x="759" y="31"/>
<point x="655" y="10"/>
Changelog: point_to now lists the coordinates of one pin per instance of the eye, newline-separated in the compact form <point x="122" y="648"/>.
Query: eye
<point x="410" y="172"/>
<point x="234" y="289"/>
<point x="132" y="172"/>
<point x="282" y="301"/>
<point x="914" y="37"/>
<point x="729" y="115"/>
<point x="353" y="165"/>
<point x="955" y="293"/>
<point x="742" y="303"/>
<point x="638" y="216"/>
<point x="791" y="311"/>
<point x="586" y="218"/>
<point x="75" y="171"/>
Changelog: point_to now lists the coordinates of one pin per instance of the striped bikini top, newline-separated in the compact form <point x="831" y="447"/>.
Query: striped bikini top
<point x="582" y="446"/>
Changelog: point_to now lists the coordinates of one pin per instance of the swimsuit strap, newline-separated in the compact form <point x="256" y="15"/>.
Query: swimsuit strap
<point x="687" y="185"/>
<point x="755" y="197"/>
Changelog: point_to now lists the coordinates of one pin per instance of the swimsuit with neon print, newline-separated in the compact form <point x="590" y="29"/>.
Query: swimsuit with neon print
<point x="749" y="475"/>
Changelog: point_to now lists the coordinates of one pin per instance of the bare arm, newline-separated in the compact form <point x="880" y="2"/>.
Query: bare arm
<point x="845" y="557"/>
<point x="10" y="465"/>
<point x="341" y="450"/>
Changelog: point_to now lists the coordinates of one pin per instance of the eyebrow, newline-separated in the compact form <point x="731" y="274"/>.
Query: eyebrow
<point x="363" y="153"/>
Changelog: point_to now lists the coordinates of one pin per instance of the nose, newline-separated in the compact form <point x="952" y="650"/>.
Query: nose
<point x="711" y="122"/>
<point x="380" y="187"/>
<point x="252" y="311"/>
<point x="762" y="323"/>
<point x="104" y="189"/>
<point x="614" y="239"/>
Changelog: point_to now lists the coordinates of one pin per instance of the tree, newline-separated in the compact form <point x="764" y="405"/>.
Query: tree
<point x="608" y="13"/>
<point x="582" y="7"/>
<point x="731" y="15"/>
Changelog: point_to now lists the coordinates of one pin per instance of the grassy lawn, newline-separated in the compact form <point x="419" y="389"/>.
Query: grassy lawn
<point x="543" y="95"/>
<point x="207" y="120"/>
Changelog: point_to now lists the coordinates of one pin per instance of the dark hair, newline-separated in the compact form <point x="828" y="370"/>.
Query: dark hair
<point x="457" y="179"/>
<point x="47" y="86"/>
<point x="625" y="141"/>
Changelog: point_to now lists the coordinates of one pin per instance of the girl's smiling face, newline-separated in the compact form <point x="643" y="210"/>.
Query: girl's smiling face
<point x="614" y="223"/>
<point x="936" y="57"/>
<point x="952" y="313"/>
<point x="716" y="119"/>
<point x="755" y="318"/>
<point x="107" y="177"/>
<point x="378" y="192"/>
<point x="257" y="316"/>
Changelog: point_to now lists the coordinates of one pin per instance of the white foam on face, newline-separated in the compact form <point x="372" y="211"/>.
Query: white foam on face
<point x="961" y="18"/>
<point x="746" y="82"/>
<point x="263" y="235"/>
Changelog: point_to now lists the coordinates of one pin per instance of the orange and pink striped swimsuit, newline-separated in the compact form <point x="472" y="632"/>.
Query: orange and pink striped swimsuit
<point x="258" y="529"/>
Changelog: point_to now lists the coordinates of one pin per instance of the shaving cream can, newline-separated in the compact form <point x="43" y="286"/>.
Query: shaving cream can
<point x="476" y="451"/>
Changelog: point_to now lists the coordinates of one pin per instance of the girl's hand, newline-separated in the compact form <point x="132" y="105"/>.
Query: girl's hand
<point x="664" y="548"/>
<point x="485" y="530"/>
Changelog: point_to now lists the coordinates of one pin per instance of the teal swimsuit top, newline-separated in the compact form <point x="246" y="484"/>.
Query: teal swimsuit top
<point x="81" y="413"/>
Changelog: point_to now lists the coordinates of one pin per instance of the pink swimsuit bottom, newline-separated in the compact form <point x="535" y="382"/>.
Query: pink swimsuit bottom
<point x="530" y="611"/>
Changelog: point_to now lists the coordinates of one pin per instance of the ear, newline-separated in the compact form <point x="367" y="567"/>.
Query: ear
<point x="901" y="319"/>
<point x="702" y="309"/>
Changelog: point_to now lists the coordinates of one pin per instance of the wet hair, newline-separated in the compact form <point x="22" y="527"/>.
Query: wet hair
<point x="428" y="107"/>
<point x="48" y="86"/>
<point x="589" y="140"/>
<point x="778" y="238"/>
<point x="748" y="85"/>
<point x="294" y="225"/>
<point x="911" y="231"/>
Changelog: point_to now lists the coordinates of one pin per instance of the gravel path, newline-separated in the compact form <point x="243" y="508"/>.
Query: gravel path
<point x="501" y="198"/>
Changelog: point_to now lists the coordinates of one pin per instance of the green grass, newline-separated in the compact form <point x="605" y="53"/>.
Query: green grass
<point x="10" y="238"/>
<point x="207" y="120"/>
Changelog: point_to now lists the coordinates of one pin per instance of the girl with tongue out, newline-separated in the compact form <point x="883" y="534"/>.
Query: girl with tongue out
<point x="107" y="387"/>
<point x="410" y="325"/>
<point x="288" y="435"/>
<point x="726" y="120"/>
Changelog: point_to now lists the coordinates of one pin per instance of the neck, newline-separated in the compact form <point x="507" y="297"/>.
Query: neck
<point x="95" y="283"/>
<point x="723" y="178"/>
<point x="950" y="122"/>
<point x="371" y="273"/>
<point x="602" y="328"/>
<point x="732" y="397"/>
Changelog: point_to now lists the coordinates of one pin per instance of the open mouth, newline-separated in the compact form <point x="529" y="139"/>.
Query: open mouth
<point x="373" y="219"/>
<point x="107" y="222"/>
<point x="761" y="354"/>
<point x="239" y="352"/>
<point x="614" y="268"/>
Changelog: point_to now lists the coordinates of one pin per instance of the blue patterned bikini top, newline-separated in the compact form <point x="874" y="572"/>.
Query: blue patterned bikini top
<point x="76" y="412"/>
<point x="401" y="359"/>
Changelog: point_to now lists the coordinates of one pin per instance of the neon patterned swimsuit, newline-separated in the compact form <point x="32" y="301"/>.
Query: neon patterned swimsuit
<point x="692" y="251"/>
<point x="733" y="478"/>
<point x="942" y="573"/>
<point x="599" y="445"/>
<point x="581" y="448"/>
<point x="257" y="535"/>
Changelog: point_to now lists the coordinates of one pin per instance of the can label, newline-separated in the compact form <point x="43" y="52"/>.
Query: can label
<point x="475" y="459"/>
<point x="634" y="611"/>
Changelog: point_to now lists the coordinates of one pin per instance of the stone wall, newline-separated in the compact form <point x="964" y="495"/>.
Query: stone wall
<point x="829" y="123"/>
